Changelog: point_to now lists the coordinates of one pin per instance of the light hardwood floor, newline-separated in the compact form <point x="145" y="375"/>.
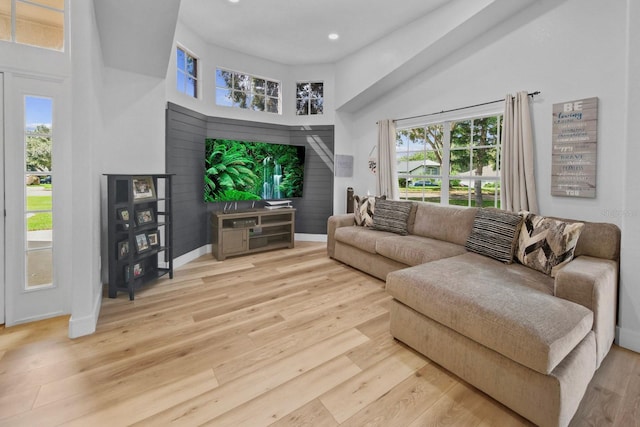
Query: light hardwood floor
<point x="284" y="338"/>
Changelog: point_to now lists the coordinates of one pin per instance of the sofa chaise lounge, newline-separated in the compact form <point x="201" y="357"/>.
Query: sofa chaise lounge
<point x="529" y="338"/>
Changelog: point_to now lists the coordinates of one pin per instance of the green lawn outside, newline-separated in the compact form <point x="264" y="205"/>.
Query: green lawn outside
<point x="39" y="203"/>
<point x="39" y="221"/>
<point x="432" y="194"/>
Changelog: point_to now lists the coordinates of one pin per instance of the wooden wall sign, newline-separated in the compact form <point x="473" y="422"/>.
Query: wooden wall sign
<point x="574" y="141"/>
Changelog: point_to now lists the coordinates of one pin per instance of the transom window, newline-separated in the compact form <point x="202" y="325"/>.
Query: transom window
<point x="33" y="22"/>
<point x="241" y="90"/>
<point x="309" y="98"/>
<point x="451" y="162"/>
<point x="187" y="77"/>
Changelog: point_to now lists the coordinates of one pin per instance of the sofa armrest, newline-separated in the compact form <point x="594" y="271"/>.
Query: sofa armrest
<point x="334" y="222"/>
<point x="593" y="283"/>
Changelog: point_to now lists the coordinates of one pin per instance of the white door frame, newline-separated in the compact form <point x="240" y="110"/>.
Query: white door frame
<point x="2" y="241"/>
<point x="23" y="305"/>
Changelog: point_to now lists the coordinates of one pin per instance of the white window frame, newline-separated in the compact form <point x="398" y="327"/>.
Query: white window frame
<point x="310" y="98"/>
<point x="52" y="136"/>
<point x="445" y="176"/>
<point x="42" y="6"/>
<point x="251" y="92"/>
<point x="187" y="75"/>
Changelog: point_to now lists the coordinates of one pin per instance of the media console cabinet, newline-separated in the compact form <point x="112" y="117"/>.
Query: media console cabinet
<point x="255" y="230"/>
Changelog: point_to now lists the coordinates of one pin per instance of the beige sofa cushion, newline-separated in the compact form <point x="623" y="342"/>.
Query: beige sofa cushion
<point x="361" y="237"/>
<point x="448" y="223"/>
<point x="413" y="250"/>
<point x="503" y="307"/>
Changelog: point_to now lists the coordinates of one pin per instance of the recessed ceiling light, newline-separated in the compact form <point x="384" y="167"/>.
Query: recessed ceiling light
<point x="234" y="1"/>
<point x="333" y="36"/>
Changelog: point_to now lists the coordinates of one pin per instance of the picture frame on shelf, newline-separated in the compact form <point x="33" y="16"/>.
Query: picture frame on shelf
<point x="143" y="188"/>
<point x="145" y="216"/>
<point x="123" y="249"/>
<point x="142" y="243"/>
<point x="123" y="215"/>
<point x="154" y="238"/>
<point x="138" y="270"/>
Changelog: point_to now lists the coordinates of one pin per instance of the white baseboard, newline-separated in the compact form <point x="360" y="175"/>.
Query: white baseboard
<point x="35" y="318"/>
<point x="628" y="339"/>
<point x="80" y="326"/>
<point x="190" y="256"/>
<point x="303" y="237"/>
<point x="206" y="249"/>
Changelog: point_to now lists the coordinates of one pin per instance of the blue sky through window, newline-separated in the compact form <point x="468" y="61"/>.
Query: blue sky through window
<point x="38" y="111"/>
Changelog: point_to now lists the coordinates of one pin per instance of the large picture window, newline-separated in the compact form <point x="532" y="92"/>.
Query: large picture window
<point x="453" y="162"/>
<point x="33" y="22"/>
<point x="241" y="90"/>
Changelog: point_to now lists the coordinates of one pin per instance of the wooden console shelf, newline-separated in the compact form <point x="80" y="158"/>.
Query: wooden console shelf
<point x="256" y="230"/>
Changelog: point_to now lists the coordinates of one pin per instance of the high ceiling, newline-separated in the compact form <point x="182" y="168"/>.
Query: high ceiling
<point x="295" y="32"/>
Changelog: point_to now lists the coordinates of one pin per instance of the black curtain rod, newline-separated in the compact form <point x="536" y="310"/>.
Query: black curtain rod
<point x="461" y="108"/>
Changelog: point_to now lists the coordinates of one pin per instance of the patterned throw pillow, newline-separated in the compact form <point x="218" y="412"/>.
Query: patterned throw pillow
<point x="363" y="209"/>
<point x="392" y="215"/>
<point x="495" y="234"/>
<point x="547" y="244"/>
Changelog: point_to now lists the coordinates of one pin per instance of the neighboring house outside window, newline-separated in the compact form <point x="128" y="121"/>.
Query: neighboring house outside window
<point x="187" y="72"/>
<point x="454" y="162"/>
<point x="35" y="23"/>
<point x="241" y="90"/>
<point x="309" y="98"/>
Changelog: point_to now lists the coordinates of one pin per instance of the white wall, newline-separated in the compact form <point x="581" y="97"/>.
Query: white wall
<point x="87" y="132"/>
<point x="629" y="333"/>
<point x="212" y="57"/>
<point x="133" y="114"/>
<point x="571" y="50"/>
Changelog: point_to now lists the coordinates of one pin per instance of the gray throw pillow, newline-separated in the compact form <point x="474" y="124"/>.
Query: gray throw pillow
<point x="392" y="215"/>
<point x="495" y="234"/>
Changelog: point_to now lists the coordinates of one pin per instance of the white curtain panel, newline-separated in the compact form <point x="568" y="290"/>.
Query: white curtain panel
<point x="518" y="190"/>
<point x="387" y="173"/>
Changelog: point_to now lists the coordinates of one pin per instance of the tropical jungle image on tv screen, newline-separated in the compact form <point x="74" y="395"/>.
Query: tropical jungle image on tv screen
<point x="242" y="170"/>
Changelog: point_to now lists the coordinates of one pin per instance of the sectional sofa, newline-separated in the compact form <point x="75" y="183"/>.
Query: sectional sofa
<point x="494" y="297"/>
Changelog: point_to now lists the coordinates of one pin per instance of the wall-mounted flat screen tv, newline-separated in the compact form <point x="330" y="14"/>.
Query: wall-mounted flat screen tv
<point x="243" y="170"/>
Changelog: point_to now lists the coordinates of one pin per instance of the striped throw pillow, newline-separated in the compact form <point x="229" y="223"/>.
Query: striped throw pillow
<point x="392" y="215"/>
<point x="495" y="234"/>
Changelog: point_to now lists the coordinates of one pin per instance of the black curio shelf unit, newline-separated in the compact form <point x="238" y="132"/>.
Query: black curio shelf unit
<point x="139" y="231"/>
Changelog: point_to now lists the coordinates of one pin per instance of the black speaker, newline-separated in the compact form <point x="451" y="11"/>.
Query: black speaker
<point x="349" y="200"/>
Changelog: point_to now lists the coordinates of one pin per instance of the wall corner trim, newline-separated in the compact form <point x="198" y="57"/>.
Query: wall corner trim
<point x="86" y="325"/>
<point x="628" y="339"/>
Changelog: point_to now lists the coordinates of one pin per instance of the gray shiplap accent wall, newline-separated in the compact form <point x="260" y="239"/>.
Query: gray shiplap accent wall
<point x="316" y="205"/>
<point x="186" y="132"/>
